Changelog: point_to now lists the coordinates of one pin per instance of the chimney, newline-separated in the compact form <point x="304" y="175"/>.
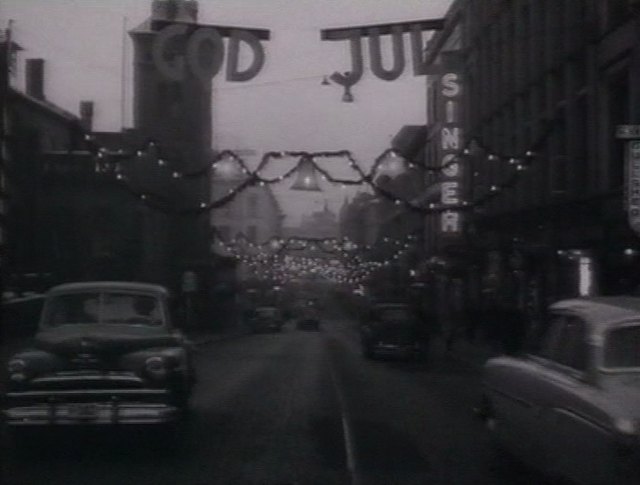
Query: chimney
<point x="175" y="10"/>
<point x="35" y="78"/>
<point x="86" y="115"/>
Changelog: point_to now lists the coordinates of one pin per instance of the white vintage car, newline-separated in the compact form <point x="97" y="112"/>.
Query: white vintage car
<point x="570" y="406"/>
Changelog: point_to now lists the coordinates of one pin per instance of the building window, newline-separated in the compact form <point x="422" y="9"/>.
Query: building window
<point x="252" y="206"/>
<point x="223" y="233"/>
<point x="618" y="110"/>
<point x="252" y="234"/>
<point x="559" y="162"/>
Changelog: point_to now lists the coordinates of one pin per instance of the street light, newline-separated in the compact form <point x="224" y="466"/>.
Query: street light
<point x="347" y="96"/>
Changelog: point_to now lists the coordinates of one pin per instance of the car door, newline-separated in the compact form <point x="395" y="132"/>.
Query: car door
<point x="571" y="442"/>
<point x="524" y="391"/>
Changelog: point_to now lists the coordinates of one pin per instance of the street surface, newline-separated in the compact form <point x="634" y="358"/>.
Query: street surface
<point x="293" y="408"/>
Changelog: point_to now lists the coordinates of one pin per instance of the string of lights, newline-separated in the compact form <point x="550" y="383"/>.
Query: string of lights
<point x="309" y="161"/>
<point x="254" y="177"/>
<point x="276" y="260"/>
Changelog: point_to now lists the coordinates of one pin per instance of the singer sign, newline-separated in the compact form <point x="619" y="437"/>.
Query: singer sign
<point x="450" y="88"/>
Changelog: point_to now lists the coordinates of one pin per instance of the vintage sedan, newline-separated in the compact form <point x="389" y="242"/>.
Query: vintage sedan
<point x="266" y="319"/>
<point x="308" y="316"/>
<point x="570" y="406"/>
<point x="105" y="353"/>
<point x="393" y="330"/>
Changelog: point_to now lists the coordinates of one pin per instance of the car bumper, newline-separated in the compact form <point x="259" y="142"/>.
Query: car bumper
<point x="75" y="408"/>
<point x="396" y="350"/>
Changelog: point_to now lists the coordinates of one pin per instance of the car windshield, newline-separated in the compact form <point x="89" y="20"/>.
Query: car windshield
<point x="103" y="307"/>
<point x="622" y="348"/>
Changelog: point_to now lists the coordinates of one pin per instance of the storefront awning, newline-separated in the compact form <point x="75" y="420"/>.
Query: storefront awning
<point x="410" y="142"/>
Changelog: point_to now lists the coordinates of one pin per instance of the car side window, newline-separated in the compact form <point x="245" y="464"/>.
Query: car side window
<point x="551" y="339"/>
<point x="573" y="351"/>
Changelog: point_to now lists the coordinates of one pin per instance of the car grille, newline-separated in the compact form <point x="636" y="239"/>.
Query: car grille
<point x="85" y="361"/>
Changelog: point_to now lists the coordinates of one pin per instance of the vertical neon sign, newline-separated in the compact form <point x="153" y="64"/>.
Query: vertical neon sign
<point x="450" y="145"/>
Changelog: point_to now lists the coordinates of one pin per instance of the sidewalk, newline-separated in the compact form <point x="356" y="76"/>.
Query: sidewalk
<point x="474" y="354"/>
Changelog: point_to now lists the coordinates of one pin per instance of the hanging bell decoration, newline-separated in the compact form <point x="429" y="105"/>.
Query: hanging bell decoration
<point x="306" y="176"/>
<point x="347" y="97"/>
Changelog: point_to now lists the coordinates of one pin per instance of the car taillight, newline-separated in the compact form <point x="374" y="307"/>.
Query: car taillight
<point x="156" y="367"/>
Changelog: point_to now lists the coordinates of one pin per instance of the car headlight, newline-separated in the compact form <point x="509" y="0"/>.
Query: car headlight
<point x="626" y="426"/>
<point x="156" y="367"/>
<point x="17" y="370"/>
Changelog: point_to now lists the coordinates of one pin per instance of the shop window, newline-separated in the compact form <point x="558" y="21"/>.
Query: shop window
<point x="559" y="162"/>
<point x="581" y="140"/>
<point x="618" y="110"/>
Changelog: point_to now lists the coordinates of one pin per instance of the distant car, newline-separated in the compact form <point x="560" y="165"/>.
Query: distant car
<point x="105" y="353"/>
<point x="308" y="316"/>
<point x="393" y="330"/>
<point x="266" y="319"/>
<point x="571" y="405"/>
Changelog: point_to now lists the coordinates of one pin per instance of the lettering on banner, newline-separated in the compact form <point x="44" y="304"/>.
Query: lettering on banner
<point x="177" y="52"/>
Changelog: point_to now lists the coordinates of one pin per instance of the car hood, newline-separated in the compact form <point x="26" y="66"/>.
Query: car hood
<point x="102" y="338"/>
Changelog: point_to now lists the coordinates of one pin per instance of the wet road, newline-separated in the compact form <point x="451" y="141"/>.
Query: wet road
<point x="293" y="408"/>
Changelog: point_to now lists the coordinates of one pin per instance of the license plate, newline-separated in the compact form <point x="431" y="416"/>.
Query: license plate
<point x="83" y="411"/>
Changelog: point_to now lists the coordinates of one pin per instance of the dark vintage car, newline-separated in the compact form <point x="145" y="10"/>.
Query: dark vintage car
<point x="570" y="406"/>
<point x="393" y="330"/>
<point x="308" y="316"/>
<point x="266" y="319"/>
<point x="105" y="353"/>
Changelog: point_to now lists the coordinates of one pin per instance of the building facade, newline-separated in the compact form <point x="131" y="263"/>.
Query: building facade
<point x="253" y="213"/>
<point x="543" y="86"/>
<point x="175" y="111"/>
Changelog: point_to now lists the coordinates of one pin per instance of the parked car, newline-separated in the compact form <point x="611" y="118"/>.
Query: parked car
<point x="308" y="316"/>
<point x="266" y="319"/>
<point x="570" y="405"/>
<point x="393" y="330"/>
<point x="105" y="353"/>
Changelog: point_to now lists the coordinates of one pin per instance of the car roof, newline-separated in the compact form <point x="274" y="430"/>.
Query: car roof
<point x="109" y="285"/>
<point x="602" y="312"/>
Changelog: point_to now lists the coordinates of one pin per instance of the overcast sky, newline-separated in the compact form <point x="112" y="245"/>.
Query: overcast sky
<point x="283" y="108"/>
